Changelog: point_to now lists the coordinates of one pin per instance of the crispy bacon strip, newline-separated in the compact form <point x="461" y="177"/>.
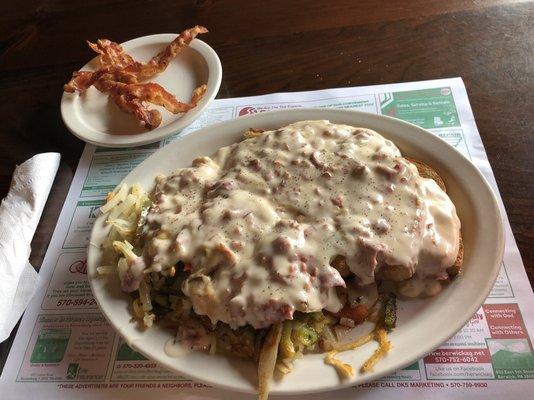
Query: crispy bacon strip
<point x="197" y="94"/>
<point x="159" y="63"/>
<point x="111" y="53"/>
<point x="80" y="81"/>
<point x="131" y="105"/>
<point x="113" y="60"/>
<point x="153" y="93"/>
<point x="131" y="98"/>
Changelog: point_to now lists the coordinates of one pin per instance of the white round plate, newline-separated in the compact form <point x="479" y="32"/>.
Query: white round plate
<point x="95" y="119"/>
<point x="422" y="324"/>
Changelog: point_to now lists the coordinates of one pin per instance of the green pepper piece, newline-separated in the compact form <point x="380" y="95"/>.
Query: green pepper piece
<point x="305" y="335"/>
<point x="390" y="312"/>
<point x="286" y="348"/>
<point x="317" y="316"/>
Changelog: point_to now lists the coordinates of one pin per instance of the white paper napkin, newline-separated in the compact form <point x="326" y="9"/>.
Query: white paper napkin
<point x="20" y="212"/>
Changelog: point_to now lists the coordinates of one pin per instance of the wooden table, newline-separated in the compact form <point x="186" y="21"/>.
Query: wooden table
<point x="272" y="46"/>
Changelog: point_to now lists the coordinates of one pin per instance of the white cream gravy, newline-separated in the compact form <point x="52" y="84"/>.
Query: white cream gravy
<point x="261" y="220"/>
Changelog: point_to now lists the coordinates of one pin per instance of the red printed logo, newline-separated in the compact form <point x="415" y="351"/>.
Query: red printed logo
<point x="247" y="111"/>
<point x="505" y="321"/>
<point x="459" y="356"/>
<point x="79" y="266"/>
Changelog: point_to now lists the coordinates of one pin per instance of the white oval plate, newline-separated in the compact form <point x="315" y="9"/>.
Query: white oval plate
<point x="94" y="119"/>
<point x="422" y="324"/>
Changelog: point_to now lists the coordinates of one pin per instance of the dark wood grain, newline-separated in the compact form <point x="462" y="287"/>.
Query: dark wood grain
<point x="272" y="46"/>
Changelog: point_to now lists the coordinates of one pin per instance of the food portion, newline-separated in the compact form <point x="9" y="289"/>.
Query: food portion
<point x="285" y="241"/>
<point x="121" y="77"/>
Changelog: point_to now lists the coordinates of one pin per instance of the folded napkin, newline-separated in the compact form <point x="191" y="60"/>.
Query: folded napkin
<point x="20" y="212"/>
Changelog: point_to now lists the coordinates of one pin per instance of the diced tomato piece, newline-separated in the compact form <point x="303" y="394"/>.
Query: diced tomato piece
<point x="357" y="313"/>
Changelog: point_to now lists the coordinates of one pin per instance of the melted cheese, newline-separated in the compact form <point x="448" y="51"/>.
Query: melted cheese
<point x="262" y="219"/>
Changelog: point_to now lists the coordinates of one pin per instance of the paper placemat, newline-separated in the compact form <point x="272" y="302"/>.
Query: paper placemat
<point x="65" y="348"/>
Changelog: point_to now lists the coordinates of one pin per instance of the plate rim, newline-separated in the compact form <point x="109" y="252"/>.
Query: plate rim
<point x="416" y="355"/>
<point x="81" y="131"/>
